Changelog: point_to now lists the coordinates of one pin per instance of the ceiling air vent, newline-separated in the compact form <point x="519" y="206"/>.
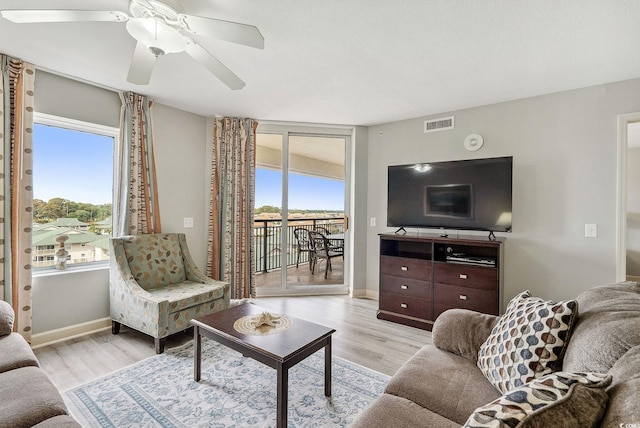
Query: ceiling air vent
<point x="439" y="124"/>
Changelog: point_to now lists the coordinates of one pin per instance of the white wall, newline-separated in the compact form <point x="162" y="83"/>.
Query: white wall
<point x="68" y="98"/>
<point x="359" y="220"/>
<point x="63" y="299"/>
<point x="179" y="148"/>
<point x="71" y="298"/>
<point x="564" y="148"/>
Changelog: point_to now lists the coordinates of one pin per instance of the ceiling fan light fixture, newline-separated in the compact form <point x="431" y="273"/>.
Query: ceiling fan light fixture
<point x="160" y="27"/>
<point x="156" y="35"/>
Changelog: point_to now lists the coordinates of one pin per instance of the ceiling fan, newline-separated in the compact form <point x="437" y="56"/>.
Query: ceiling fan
<point x="160" y="27"/>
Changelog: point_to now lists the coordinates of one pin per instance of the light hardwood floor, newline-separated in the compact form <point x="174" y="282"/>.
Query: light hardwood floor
<point x="360" y="337"/>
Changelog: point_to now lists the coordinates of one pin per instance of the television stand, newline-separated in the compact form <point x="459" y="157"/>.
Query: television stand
<point x="422" y="276"/>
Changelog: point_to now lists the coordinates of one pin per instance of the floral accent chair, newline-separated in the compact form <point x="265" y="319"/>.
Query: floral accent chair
<point x="156" y="288"/>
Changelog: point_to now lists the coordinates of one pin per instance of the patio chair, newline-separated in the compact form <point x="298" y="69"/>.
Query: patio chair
<point x="156" y="288"/>
<point x="303" y="244"/>
<point x="334" y="244"/>
<point x="322" y="230"/>
<point x="321" y="251"/>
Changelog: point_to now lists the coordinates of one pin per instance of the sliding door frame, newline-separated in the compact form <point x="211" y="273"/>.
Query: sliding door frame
<point x="621" y="194"/>
<point x="287" y="130"/>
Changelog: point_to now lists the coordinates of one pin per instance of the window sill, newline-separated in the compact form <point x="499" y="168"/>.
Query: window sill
<point x="71" y="269"/>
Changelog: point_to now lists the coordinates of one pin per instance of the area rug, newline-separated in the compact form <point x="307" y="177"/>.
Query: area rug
<point x="234" y="391"/>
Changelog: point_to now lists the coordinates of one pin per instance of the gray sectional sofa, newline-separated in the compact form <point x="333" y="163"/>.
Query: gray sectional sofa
<point x="27" y="396"/>
<point x="442" y="385"/>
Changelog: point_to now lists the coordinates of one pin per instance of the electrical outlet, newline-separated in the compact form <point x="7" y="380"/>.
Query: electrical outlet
<point x="188" y="222"/>
<point x="591" y="230"/>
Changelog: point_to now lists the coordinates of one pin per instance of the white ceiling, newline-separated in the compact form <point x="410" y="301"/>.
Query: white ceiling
<point x="332" y="147"/>
<point x="356" y="62"/>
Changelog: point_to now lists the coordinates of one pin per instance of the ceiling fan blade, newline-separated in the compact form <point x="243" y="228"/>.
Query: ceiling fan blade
<point x="214" y="66"/>
<point x="234" y="32"/>
<point x="141" y="65"/>
<point x="29" y="16"/>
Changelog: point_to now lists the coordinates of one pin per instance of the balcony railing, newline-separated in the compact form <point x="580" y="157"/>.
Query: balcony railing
<point x="267" y="235"/>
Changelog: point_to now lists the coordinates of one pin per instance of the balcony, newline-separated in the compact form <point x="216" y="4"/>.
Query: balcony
<point x="267" y="235"/>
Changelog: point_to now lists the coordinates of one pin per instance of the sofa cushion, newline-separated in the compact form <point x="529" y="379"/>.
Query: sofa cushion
<point x="528" y="341"/>
<point x="608" y="326"/>
<point x="392" y="411"/>
<point x="561" y="399"/>
<point x="181" y="320"/>
<point x="444" y="383"/>
<point x="187" y="294"/>
<point x="624" y="392"/>
<point x="462" y="332"/>
<point x="15" y="353"/>
<point x="28" y="398"/>
<point x="155" y="260"/>
<point x="6" y="318"/>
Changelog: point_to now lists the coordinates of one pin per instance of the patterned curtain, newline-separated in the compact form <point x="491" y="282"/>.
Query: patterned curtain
<point x="16" y="198"/>
<point x="136" y="210"/>
<point x="230" y="247"/>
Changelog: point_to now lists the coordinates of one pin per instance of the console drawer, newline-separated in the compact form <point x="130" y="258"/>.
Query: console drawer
<point x="406" y="305"/>
<point x="447" y="296"/>
<point x="406" y="267"/>
<point x="406" y="286"/>
<point x="484" y="278"/>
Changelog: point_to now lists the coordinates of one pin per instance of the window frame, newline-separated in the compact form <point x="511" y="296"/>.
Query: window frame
<point x="91" y="128"/>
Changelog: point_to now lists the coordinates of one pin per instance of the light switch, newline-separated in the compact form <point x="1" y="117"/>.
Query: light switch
<point x="188" y="222"/>
<point x="591" y="230"/>
<point x="372" y="222"/>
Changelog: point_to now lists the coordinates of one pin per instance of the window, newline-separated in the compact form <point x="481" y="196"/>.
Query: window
<point x="72" y="190"/>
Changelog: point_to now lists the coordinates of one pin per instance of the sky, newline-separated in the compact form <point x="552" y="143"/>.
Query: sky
<point x="73" y="165"/>
<point x="305" y="192"/>
<point x="78" y="166"/>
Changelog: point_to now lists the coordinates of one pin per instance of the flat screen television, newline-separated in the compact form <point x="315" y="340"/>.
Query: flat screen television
<point x="471" y="194"/>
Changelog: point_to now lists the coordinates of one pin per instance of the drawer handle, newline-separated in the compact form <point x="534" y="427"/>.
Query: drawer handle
<point x="403" y="305"/>
<point x="404" y="268"/>
<point x="463" y="297"/>
<point x="463" y="276"/>
<point x="404" y="287"/>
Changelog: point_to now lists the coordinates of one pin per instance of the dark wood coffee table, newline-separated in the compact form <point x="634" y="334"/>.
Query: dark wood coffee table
<point x="281" y="350"/>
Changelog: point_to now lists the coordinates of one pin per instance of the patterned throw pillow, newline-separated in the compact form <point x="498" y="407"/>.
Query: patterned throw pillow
<point x="528" y="341"/>
<point x="559" y="399"/>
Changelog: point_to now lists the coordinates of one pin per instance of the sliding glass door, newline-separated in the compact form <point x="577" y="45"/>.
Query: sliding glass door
<point x="267" y="225"/>
<point x="301" y="219"/>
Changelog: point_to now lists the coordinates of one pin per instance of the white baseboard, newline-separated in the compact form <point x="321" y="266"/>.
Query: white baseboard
<point x="366" y="294"/>
<point x="58" y="335"/>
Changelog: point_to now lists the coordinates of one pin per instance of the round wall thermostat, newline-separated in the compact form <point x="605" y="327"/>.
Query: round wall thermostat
<point x="473" y="142"/>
